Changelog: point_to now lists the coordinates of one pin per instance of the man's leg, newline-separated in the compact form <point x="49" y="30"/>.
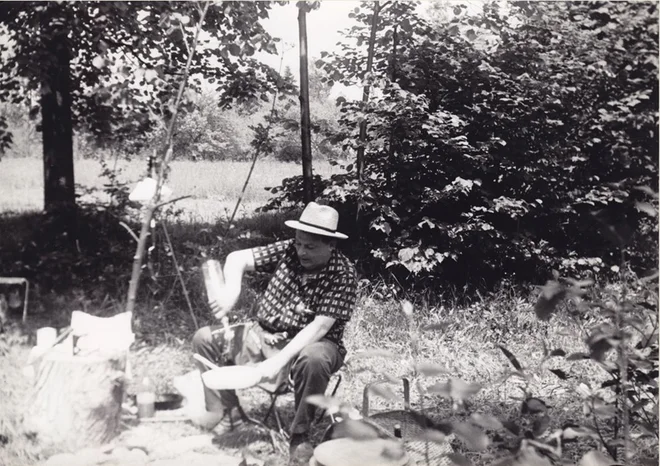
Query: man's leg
<point x="210" y="342"/>
<point x="311" y="373"/>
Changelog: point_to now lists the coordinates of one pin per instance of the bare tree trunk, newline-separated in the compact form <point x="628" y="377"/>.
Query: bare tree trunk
<point x="305" y="133"/>
<point x="57" y="129"/>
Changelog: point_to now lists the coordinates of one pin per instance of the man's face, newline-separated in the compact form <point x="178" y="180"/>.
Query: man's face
<point x="313" y="253"/>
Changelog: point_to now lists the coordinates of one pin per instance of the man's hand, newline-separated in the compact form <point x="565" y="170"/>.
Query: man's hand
<point x="221" y="306"/>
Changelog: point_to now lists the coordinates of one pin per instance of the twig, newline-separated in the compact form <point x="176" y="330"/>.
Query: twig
<point x="158" y="206"/>
<point x="257" y="151"/>
<point x="623" y="365"/>
<point x="600" y="434"/>
<point x="137" y="240"/>
<point x="178" y="273"/>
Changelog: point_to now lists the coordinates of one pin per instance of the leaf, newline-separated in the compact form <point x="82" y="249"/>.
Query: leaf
<point x="470" y="34"/>
<point x="355" y="429"/>
<point x="472" y="436"/>
<point x="430" y="370"/>
<point x="596" y="458"/>
<point x="234" y="49"/>
<point x="552" y="294"/>
<point x="330" y="404"/>
<point x="574" y="432"/>
<point x="540" y="425"/>
<point x="383" y="392"/>
<point x="577" y="356"/>
<point x="393" y="450"/>
<point x="150" y="75"/>
<point x="426" y="422"/>
<point x="459" y="459"/>
<point x="455" y="388"/>
<point x="534" y="406"/>
<point x="560" y="373"/>
<point x="98" y="62"/>
<point x="647" y="208"/>
<point x="647" y="190"/>
<point x="486" y="421"/>
<point x="375" y="353"/>
<point x="436" y="327"/>
<point x="511" y="427"/>
<point x="407" y="308"/>
<point x="432" y="435"/>
<point x="511" y="357"/>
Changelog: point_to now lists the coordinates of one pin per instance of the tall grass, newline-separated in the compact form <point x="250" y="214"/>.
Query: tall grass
<point x="214" y="187"/>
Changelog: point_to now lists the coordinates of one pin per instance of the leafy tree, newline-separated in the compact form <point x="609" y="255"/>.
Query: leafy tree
<point x="498" y="142"/>
<point x="108" y="67"/>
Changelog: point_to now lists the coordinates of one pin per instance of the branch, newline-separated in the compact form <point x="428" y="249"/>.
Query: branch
<point x="178" y="273"/>
<point x="158" y="206"/>
<point x="137" y="240"/>
<point x="600" y="434"/>
<point x="153" y="204"/>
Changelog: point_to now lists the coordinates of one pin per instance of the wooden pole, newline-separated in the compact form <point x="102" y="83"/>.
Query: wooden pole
<point x="305" y="133"/>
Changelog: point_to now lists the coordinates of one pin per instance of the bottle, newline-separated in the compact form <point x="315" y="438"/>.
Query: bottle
<point x="146" y="399"/>
<point x="397" y="430"/>
<point x="214" y="279"/>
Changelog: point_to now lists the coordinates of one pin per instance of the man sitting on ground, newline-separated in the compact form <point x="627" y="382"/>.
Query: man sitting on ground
<point x="299" y="324"/>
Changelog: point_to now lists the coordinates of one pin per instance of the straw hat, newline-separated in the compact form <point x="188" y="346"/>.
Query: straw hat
<point x="319" y="220"/>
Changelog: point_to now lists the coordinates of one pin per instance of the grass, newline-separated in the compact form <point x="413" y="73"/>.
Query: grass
<point x="466" y="347"/>
<point x="214" y="187"/>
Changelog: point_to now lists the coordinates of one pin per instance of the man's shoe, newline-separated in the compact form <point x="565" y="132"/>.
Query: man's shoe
<point x="300" y="450"/>
<point x="229" y="423"/>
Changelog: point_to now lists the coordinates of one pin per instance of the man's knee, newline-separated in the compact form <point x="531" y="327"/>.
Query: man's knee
<point x="314" y="359"/>
<point x="202" y="338"/>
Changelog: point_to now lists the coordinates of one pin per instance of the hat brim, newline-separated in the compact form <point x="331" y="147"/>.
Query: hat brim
<point x="316" y="231"/>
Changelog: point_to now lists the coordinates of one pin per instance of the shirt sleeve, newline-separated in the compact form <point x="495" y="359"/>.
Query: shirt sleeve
<point x="267" y="257"/>
<point x="339" y="298"/>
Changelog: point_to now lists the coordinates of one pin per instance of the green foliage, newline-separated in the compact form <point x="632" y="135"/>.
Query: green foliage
<point x="493" y="137"/>
<point x="126" y="57"/>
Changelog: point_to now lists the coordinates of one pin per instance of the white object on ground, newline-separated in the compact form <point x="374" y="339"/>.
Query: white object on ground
<point x="102" y="333"/>
<point x="144" y="191"/>
<point x="46" y="337"/>
<point x="231" y="377"/>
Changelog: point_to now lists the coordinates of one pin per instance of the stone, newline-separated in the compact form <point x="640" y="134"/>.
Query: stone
<point x="89" y="456"/>
<point x="62" y="459"/>
<point x="184" y="445"/>
<point x="199" y="459"/>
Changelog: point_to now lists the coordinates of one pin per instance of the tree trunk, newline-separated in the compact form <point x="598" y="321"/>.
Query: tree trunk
<point x="305" y="133"/>
<point x="76" y="401"/>
<point x="57" y="130"/>
<point x="359" y="160"/>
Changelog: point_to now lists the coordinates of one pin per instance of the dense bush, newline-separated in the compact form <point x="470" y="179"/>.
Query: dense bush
<point x="501" y="144"/>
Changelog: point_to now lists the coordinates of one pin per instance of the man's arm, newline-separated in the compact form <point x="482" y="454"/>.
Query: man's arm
<point x="312" y="333"/>
<point x="236" y="264"/>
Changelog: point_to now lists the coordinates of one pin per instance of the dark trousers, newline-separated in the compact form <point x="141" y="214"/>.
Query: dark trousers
<point x="310" y="371"/>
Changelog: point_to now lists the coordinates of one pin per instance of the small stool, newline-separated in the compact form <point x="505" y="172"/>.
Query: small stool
<point x="285" y="388"/>
<point x="18" y="281"/>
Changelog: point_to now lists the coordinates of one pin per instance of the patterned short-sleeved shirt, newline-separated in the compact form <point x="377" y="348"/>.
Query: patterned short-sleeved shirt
<point x="330" y="292"/>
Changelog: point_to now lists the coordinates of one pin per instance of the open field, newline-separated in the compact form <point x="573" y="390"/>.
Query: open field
<point x="214" y="186"/>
